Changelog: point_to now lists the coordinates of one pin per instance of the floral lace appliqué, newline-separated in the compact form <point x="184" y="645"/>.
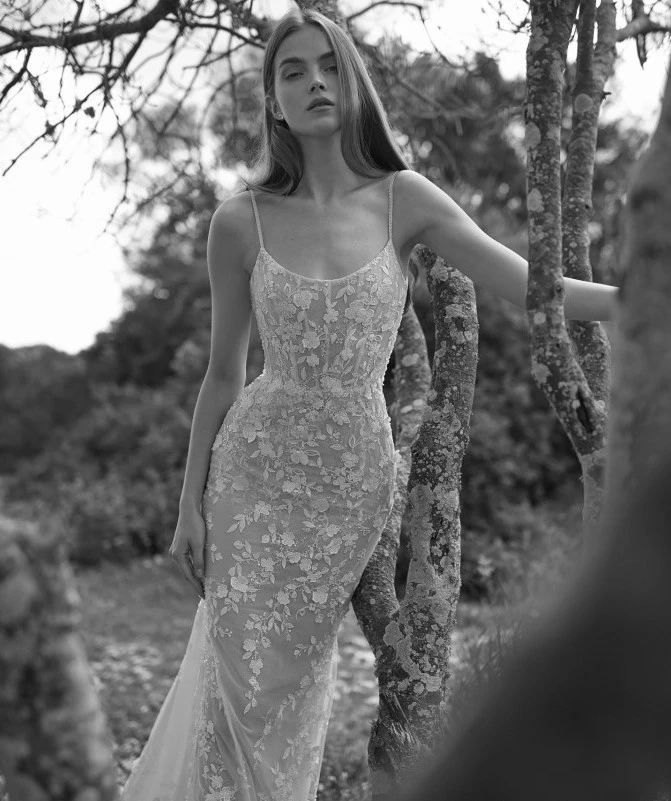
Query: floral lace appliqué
<point x="306" y="463"/>
<point x="300" y="485"/>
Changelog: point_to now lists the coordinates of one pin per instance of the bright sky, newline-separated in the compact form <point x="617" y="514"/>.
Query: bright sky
<point x="61" y="281"/>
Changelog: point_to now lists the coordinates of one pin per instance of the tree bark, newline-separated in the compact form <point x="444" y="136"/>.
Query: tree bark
<point x="411" y="640"/>
<point x="641" y="415"/>
<point x="594" y="65"/>
<point x="555" y="368"/>
<point x="583" y="709"/>
<point x="54" y="744"/>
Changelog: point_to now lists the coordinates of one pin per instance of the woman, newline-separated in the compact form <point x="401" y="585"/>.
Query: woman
<point x="284" y="501"/>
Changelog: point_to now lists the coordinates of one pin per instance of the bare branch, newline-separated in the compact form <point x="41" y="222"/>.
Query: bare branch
<point x="382" y="3"/>
<point x="17" y="78"/>
<point x="104" y="32"/>
<point x="49" y="130"/>
<point x="501" y="13"/>
<point x="640" y="26"/>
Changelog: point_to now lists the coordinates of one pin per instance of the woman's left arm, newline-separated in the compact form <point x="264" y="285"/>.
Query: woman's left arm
<point x="450" y="233"/>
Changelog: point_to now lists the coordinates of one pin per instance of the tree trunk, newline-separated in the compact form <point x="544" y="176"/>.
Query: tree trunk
<point x="582" y="711"/>
<point x="411" y="640"/>
<point x="594" y="65"/>
<point x="640" y="423"/>
<point x="54" y="744"/>
<point x="581" y="408"/>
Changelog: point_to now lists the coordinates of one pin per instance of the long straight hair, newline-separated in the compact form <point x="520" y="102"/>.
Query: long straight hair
<point x="367" y="141"/>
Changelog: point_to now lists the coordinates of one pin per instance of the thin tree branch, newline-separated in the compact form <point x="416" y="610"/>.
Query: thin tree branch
<point x="103" y="32"/>
<point x="641" y="26"/>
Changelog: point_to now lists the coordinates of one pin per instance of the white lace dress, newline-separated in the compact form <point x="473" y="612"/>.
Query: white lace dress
<point x="300" y="485"/>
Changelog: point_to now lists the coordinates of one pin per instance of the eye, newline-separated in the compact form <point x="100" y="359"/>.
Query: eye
<point x="291" y="74"/>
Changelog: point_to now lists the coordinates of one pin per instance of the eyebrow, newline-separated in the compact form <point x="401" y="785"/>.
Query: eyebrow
<point x="297" y="60"/>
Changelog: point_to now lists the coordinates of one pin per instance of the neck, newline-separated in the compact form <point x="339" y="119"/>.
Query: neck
<point x="327" y="179"/>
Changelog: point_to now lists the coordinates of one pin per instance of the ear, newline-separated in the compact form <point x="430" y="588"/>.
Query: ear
<point x="272" y="106"/>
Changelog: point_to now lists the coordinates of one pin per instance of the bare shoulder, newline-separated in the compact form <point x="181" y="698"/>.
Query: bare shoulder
<point x="231" y="296"/>
<point x="232" y="221"/>
<point x="425" y="206"/>
<point x="412" y="194"/>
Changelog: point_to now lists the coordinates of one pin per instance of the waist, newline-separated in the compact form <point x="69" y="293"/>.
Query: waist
<point x="324" y="385"/>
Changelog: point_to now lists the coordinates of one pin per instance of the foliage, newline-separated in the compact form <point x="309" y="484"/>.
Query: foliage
<point x="41" y="391"/>
<point x="113" y="478"/>
<point x="536" y="555"/>
<point x="171" y="303"/>
<point x="515" y="432"/>
<point x="101" y="438"/>
<point x="518" y="454"/>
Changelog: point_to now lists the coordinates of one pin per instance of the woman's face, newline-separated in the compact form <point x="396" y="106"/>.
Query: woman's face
<point x="298" y="82"/>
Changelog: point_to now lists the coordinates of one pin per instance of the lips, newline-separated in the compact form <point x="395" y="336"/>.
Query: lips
<point x="320" y="102"/>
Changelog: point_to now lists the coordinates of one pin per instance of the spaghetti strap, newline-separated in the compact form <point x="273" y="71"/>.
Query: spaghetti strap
<point x="389" y="223"/>
<point x="258" y="221"/>
<point x="391" y="205"/>
<point x="391" y="198"/>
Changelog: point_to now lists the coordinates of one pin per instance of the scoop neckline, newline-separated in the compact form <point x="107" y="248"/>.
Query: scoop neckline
<point x="322" y="280"/>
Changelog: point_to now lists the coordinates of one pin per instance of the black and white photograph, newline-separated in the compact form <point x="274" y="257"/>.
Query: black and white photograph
<point x="335" y="400"/>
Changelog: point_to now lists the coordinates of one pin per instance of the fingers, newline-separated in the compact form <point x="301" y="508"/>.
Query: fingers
<point x="198" y="565"/>
<point x="188" y="572"/>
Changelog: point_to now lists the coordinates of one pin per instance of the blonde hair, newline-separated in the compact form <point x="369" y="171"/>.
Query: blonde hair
<point x="367" y="142"/>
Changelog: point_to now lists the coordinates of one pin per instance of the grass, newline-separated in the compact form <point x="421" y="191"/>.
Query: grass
<point x="136" y="621"/>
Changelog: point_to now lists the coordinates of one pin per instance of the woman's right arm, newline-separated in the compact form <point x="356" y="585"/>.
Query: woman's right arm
<point x="231" y="324"/>
<point x="224" y="379"/>
<point x="214" y="400"/>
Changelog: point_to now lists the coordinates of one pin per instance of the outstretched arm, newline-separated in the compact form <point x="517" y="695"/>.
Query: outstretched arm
<point x="450" y="233"/>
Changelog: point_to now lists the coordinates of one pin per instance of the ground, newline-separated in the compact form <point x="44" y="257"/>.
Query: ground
<point x="136" y="620"/>
<point x="137" y="617"/>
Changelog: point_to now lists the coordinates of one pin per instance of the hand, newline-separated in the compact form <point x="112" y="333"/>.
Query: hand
<point x="188" y="548"/>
